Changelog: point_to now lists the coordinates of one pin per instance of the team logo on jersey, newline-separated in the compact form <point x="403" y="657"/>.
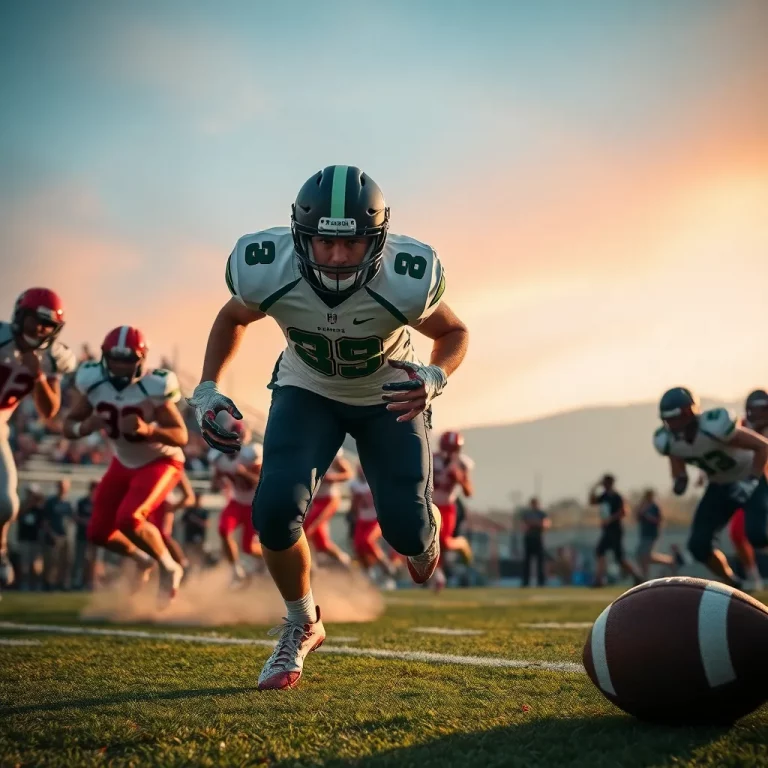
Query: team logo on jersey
<point x="332" y="318"/>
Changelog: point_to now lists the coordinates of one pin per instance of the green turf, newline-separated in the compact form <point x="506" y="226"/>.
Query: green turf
<point x="76" y="700"/>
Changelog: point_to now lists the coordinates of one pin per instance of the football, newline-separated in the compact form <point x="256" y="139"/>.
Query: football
<point x="681" y="651"/>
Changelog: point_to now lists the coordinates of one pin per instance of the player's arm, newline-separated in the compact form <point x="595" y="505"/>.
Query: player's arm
<point x="252" y="472"/>
<point x="46" y="391"/>
<point x="679" y="474"/>
<point x="168" y="427"/>
<point x="748" y="440"/>
<point x="341" y="471"/>
<point x="466" y="483"/>
<point x="546" y="522"/>
<point x="450" y="338"/>
<point x="81" y="420"/>
<point x="594" y="496"/>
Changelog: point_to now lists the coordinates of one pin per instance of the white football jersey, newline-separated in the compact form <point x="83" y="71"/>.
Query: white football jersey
<point x="326" y="489"/>
<point x="709" y="450"/>
<point x="225" y="464"/>
<point x="141" y="398"/>
<point x="366" y="511"/>
<point x="16" y="380"/>
<point x="446" y="487"/>
<point x="339" y="352"/>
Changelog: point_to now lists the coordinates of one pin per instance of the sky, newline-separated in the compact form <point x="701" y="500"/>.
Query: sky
<point x="593" y="175"/>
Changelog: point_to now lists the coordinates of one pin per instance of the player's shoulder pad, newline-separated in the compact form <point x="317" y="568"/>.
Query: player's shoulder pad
<point x="262" y="265"/>
<point x="718" y="423"/>
<point x="89" y="375"/>
<point x="161" y="385"/>
<point x="411" y="281"/>
<point x="662" y="440"/>
<point x="61" y="358"/>
<point x="6" y="333"/>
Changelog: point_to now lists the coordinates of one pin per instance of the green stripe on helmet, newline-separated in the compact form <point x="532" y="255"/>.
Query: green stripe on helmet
<point x="339" y="191"/>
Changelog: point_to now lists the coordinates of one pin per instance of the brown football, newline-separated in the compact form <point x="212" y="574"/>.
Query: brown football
<point x="681" y="651"/>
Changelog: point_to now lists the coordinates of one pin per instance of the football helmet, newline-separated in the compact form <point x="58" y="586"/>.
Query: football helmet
<point x="451" y="442"/>
<point x="757" y="409"/>
<point x="47" y="309"/>
<point x="123" y="353"/>
<point x="679" y="409"/>
<point x="339" y="201"/>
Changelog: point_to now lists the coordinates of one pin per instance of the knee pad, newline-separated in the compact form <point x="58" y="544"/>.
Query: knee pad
<point x="278" y="511"/>
<point x="407" y="527"/>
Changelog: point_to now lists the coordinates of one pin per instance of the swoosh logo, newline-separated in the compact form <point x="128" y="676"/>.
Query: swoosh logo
<point x="360" y="322"/>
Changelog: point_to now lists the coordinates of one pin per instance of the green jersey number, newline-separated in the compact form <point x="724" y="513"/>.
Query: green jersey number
<point x="346" y="357"/>
<point x="260" y="253"/>
<point x="414" y="266"/>
<point x="713" y="462"/>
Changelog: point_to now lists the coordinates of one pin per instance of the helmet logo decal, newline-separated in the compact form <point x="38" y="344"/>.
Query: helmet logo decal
<point x="333" y="226"/>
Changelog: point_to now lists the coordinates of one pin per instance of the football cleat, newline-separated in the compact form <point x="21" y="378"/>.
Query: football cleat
<point x="170" y="581"/>
<point x="421" y="567"/>
<point x="284" y="667"/>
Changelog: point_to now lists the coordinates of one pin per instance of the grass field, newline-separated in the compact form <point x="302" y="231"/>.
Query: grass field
<point x="367" y="699"/>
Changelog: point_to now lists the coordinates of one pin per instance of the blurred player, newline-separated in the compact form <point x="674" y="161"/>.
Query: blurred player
<point x="325" y="504"/>
<point x="32" y="360"/>
<point x="137" y="411"/>
<point x="367" y="531"/>
<point x="239" y="474"/>
<point x="734" y="459"/>
<point x="346" y="294"/>
<point x="452" y="470"/>
<point x="163" y="518"/>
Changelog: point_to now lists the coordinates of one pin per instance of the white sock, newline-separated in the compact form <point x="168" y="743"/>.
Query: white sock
<point x="238" y="570"/>
<point x="302" y="611"/>
<point x="140" y="556"/>
<point x="168" y="562"/>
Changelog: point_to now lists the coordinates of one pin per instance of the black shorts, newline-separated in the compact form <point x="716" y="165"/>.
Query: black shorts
<point x="611" y="540"/>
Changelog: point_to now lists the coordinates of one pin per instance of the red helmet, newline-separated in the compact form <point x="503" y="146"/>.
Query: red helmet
<point x="124" y="344"/>
<point x="451" y="441"/>
<point x="46" y="307"/>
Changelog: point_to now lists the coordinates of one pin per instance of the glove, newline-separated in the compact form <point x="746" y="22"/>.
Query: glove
<point x="742" y="491"/>
<point x="208" y="402"/>
<point x="680" y="484"/>
<point x="431" y="377"/>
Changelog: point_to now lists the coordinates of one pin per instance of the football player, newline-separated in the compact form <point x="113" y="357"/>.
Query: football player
<point x="367" y="531"/>
<point x="453" y="473"/>
<point x="240" y="472"/>
<point x="137" y="411"/>
<point x="734" y="459"/>
<point x="346" y="294"/>
<point x="325" y="504"/>
<point x="32" y="361"/>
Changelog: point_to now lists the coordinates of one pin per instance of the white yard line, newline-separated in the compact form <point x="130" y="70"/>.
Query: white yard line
<point x="377" y="653"/>
<point x="11" y="641"/>
<point x="447" y="631"/>
<point x="559" y="625"/>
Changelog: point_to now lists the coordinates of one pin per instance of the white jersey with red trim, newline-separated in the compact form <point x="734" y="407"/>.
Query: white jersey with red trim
<point x="16" y="380"/>
<point x="141" y="398"/>
<point x="327" y="489"/>
<point x="445" y="470"/>
<point x="243" y="488"/>
<point x="361" y="493"/>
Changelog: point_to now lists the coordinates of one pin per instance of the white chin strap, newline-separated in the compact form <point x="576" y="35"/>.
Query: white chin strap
<point x="32" y="341"/>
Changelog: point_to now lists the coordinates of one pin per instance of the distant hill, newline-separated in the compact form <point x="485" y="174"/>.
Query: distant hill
<point x="562" y="455"/>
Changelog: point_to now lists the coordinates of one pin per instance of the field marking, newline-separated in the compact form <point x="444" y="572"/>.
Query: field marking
<point x="342" y="650"/>
<point x="447" y="631"/>
<point x="558" y="625"/>
<point x="14" y="642"/>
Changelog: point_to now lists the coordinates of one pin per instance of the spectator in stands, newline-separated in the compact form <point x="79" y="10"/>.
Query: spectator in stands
<point x="85" y="553"/>
<point x="535" y="521"/>
<point x="195" y="524"/>
<point x="30" y="539"/>
<point x="57" y="516"/>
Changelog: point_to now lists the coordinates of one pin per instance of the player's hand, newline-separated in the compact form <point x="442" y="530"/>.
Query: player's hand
<point x="424" y="384"/>
<point x="680" y="485"/>
<point x="31" y="361"/>
<point x="93" y="423"/>
<point x="742" y="491"/>
<point x="208" y="402"/>
<point x="133" y="425"/>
